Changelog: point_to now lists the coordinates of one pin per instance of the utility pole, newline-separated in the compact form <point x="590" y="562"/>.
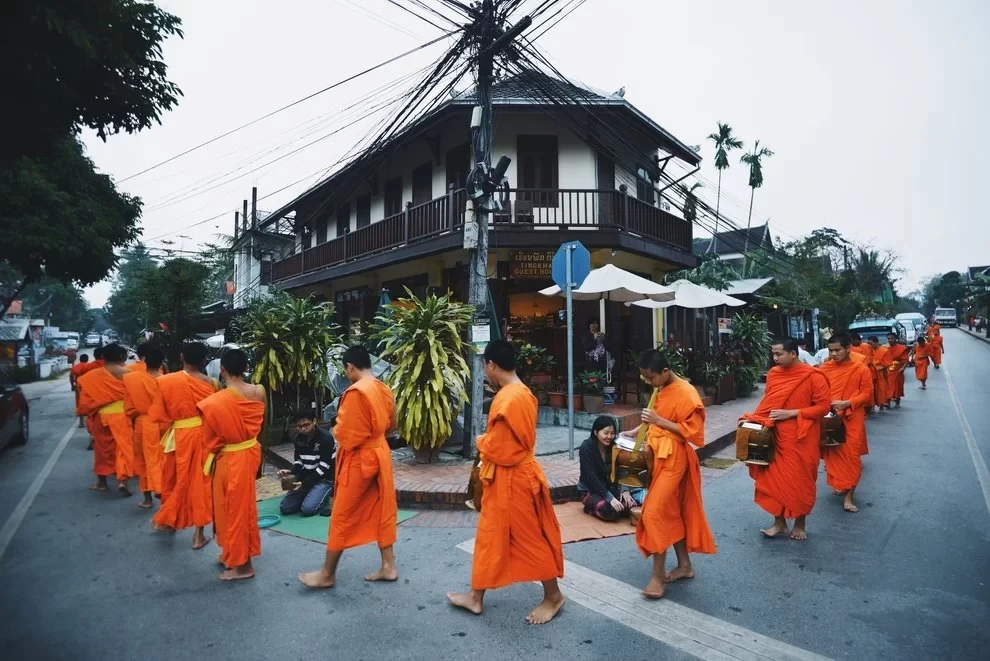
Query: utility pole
<point x="490" y="40"/>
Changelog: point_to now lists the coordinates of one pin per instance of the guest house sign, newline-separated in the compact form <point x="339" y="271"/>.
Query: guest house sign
<point x="531" y="265"/>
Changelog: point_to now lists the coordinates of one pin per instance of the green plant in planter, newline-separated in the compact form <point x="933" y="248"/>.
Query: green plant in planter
<point x="423" y="339"/>
<point x="675" y="355"/>
<point x="592" y="383"/>
<point x="531" y="359"/>
<point x="750" y="343"/>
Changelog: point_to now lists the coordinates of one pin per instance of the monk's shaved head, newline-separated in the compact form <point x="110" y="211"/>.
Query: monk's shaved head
<point x="501" y="353"/>
<point x="842" y="338"/>
<point x="114" y="353"/>
<point x="356" y="356"/>
<point x="153" y="356"/>
<point x="194" y="353"/>
<point x="788" y="344"/>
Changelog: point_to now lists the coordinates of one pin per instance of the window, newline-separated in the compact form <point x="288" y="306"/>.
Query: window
<point x="343" y="220"/>
<point x="307" y="238"/>
<point x="644" y="187"/>
<point x="266" y="272"/>
<point x="393" y="196"/>
<point x="363" y="211"/>
<point x="458" y="165"/>
<point x="538" y="169"/>
<point x="422" y="182"/>
<point x="321" y="231"/>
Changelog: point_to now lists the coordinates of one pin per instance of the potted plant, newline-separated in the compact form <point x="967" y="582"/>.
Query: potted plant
<point x="422" y="338"/>
<point x="557" y="395"/>
<point x="592" y="389"/>
<point x="533" y="364"/>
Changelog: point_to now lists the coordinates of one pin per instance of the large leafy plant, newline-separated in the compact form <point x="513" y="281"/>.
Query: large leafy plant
<point x="749" y="347"/>
<point x="423" y="339"/>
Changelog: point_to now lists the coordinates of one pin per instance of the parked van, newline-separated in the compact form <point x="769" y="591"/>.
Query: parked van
<point x="914" y="326"/>
<point x="878" y="327"/>
<point x="946" y="316"/>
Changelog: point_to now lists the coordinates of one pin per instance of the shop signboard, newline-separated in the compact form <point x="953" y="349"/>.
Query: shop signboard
<point x="531" y="264"/>
<point x="724" y="325"/>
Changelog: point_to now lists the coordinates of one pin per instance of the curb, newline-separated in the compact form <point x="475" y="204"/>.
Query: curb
<point x="974" y="335"/>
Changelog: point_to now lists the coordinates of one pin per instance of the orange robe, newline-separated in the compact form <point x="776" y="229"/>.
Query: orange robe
<point x="77" y="370"/>
<point x="786" y="487"/>
<point x="102" y="389"/>
<point x="673" y="508"/>
<point x="865" y="350"/>
<point x="936" y="347"/>
<point x="229" y="419"/>
<point x="895" y="359"/>
<point x="922" y="355"/>
<point x="365" y="509"/>
<point x="848" y="381"/>
<point x="140" y="389"/>
<point x="518" y="537"/>
<point x="883" y="396"/>
<point x="186" y="497"/>
<point x="931" y="330"/>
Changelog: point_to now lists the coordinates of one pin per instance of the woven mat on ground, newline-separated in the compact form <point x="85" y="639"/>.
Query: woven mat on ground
<point x="314" y="528"/>
<point x="576" y="526"/>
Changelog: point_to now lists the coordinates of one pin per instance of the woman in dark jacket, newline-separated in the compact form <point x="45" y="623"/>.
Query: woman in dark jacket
<point x="600" y="497"/>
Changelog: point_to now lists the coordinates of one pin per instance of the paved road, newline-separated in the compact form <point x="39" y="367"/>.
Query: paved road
<point x="907" y="578"/>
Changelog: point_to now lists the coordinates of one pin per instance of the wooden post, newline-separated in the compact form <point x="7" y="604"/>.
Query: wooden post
<point x="244" y="216"/>
<point x="254" y="207"/>
<point x="237" y="224"/>
<point x="625" y="205"/>
<point x="405" y="223"/>
<point x="451" y="212"/>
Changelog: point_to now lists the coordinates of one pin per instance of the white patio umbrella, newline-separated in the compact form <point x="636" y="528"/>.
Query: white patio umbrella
<point x="689" y="295"/>
<point x="214" y="342"/>
<point x="610" y="283"/>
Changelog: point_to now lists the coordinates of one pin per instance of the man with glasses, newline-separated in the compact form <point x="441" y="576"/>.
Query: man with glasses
<point x="313" y="467"/>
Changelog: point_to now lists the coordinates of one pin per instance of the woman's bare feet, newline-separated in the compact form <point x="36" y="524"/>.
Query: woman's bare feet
<point x="238" y="573"/>
<point x="469" y="601"/>
<point x="654" y="589"/>
<point x="387" y="574"/>
<point x="547" y="610"/>
<point x="317" y="580"/>
<point x="678" y="573"/>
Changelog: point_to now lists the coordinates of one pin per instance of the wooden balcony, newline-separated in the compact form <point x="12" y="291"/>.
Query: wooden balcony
<point x="537" y="210"/>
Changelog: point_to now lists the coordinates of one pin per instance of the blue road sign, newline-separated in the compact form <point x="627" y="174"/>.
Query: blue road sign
<point x="580" y="264"/>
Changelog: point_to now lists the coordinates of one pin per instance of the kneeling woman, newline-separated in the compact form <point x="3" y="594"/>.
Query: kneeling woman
<point x="599" y="495"/>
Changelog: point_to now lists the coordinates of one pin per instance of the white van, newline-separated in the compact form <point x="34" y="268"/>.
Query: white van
<point x="914" y="326"/>
<point x="945" y="317"/>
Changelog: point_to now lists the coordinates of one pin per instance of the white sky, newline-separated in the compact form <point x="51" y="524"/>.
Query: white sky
<point x="873" y="108"/>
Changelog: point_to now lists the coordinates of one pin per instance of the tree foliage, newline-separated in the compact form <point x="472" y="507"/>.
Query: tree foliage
<point x="128" y="308"/>
<point x="59" y="304"/>
<point x="711" y="272"/>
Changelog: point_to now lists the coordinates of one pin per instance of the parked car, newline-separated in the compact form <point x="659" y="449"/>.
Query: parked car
<point x="13" y="413"/>
<point x="92" y="340"/>
<point x="878" y="327"/>
<point x="914" y="325"/>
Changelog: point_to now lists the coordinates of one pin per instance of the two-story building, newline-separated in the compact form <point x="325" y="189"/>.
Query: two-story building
<point x="394" y="218"/>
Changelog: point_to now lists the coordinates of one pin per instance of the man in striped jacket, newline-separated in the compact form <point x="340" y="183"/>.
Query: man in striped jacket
<point x="313" y="467"/>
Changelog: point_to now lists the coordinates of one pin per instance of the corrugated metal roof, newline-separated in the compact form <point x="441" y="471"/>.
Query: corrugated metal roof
<point x="13" y="330"/>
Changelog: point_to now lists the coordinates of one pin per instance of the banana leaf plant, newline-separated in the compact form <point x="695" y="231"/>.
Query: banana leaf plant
<point x="424" y="341"/>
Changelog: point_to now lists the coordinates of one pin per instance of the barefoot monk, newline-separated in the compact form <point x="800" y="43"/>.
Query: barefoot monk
<point x="364" y="506"/>
<point x="186" y="497"/>
<point x="936" y="346"/>
<point x="672" y="513"/>
<point x="140" y="389"/>
<point x="895" y="359"/>
<point x="103" y="393"/>
<point x="518" y="538"/>
<point x="851" y="388"/>
<point x="796" y="398"/>
<point x="858" y="346"/>
<point x="232" y="422"/>
<point x="921" y="356"/>
<point x="880" y="397"/>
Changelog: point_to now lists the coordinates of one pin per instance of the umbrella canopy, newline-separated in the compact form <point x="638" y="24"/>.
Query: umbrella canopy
<point x="611" y="283"/>
<point x="689" y="295"/>
<point x="214" y="342"/>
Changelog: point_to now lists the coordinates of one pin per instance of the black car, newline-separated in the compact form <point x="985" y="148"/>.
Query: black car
<point x="13" y="413"/>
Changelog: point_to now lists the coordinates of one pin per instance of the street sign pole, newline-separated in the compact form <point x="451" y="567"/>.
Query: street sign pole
<point x="570" y="353"/>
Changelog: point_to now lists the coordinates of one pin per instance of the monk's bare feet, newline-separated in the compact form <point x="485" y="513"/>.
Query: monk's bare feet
<point x="547" y="610"/>
<point x="90" y="446"/>
<point x="145" y="505"/>
<point x="200" y="540"/>
<point x="469" y="601"/>
<point x="100" y="486"/>
<point x="837" y="492"/>
<point x="122" y="488"/>
<point x="800" y="534"/>
<point x="678" y="573"/>
<point x="157" y="527"/>
<point x="220" y="560"/>
<point x="848" y="504"/>
<point x="317" y="580"/>
<point x="775" y="530"/>
<point x="654" y="589"/>
<point x="238" y="573"/>
<point x="386" y="574"/>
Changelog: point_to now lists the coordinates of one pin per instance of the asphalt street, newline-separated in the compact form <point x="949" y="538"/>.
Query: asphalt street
<point x="906" y="578"/>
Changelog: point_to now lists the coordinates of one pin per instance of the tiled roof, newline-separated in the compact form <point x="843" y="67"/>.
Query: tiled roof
<point x="13" y="330"/>
<point x="734" y="241"/>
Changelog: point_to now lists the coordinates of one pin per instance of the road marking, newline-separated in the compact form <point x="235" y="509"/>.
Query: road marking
<point x="691" y="631"/>
<point x="982" y="474"/>
<point x="14" y="522"/>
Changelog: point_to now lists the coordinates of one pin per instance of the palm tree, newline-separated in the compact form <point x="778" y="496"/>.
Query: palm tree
<point x="724" y="143"/>
<point x="874" y="271"/>
<point x="755" y="163"/>
<point x="690" y="201"/>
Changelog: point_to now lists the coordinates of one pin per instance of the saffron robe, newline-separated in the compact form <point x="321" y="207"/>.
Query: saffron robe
<point x="140" y="390"/>
<point x="230" y="419"/>
<point x="883" y="395"/>
<point x="848" y="381"/>
<point x="673" y="507"/>
<point x="186" y="497"/>
<point x="936" y="347"/>
<point x="138" y="366"/>
<point x="895" y="359"/>
<point x="865" y="350"/>
<point x="518" y="537"/>
<point x="101" y="389"/>
<point x="365" y="509"/>
<point x="921" y="358"/>
<point x="786" y="487"/>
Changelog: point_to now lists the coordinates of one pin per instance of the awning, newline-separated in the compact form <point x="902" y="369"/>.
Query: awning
<point x="690" y="295"/>
<point x="610" y="283"/>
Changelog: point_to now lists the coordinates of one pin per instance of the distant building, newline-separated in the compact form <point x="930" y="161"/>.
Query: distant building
<point x="730" y="245"/>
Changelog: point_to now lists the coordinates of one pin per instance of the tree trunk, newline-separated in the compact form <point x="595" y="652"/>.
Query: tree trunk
<point x="749" y="221"/>
<point x="718" y="205"/>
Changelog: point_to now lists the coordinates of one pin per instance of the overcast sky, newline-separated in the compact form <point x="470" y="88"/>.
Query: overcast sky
<point x="876" y="109"/>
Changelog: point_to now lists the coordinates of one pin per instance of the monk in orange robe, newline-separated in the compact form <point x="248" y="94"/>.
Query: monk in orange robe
<point x="858" y="347"/>
<point x="186" y="497"/>
<point x="232" y="422"/>
<point x="92" y="421"/>
<point x="936" y="348"/>
<point x="518" y="538"/>
<point x="896" y="361"/>
<point x="78" y="370"/>
<point x="103" y="394"/>
<point x="364" y="505"/>
<point x="140" y="390"/>
<point x="920" y="357"/>
<point x="796" y="398"/>
<point x="934" y="328"/>
<point x="851" y="387"/>
<point x="672" y="512"/>
<point x="881" y="396"/>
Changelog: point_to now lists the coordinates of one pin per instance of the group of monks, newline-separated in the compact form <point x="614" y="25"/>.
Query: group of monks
<point x="190" y="444"/>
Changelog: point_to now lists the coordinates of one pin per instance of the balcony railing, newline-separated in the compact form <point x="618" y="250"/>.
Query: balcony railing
<point x="534" y="209"/>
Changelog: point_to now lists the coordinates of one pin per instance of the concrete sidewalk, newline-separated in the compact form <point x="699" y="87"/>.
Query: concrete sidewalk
<point x="973" y="333"/>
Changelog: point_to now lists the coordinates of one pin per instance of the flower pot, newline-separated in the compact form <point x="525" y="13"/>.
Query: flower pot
<point x="426" y="455"/>
<point x="609" y="394"/>
<point x="594" y="403"/>
<point x="539" y="377"/>
<point x="542" y="397"/>
<point x="578" y="403"/>
<point x="557" y="400"/>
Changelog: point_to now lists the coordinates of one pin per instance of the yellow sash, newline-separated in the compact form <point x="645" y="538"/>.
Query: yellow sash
<point x="233" y="447"/>
<point x="168" y="440"/>
<point x="113" y="407"/>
